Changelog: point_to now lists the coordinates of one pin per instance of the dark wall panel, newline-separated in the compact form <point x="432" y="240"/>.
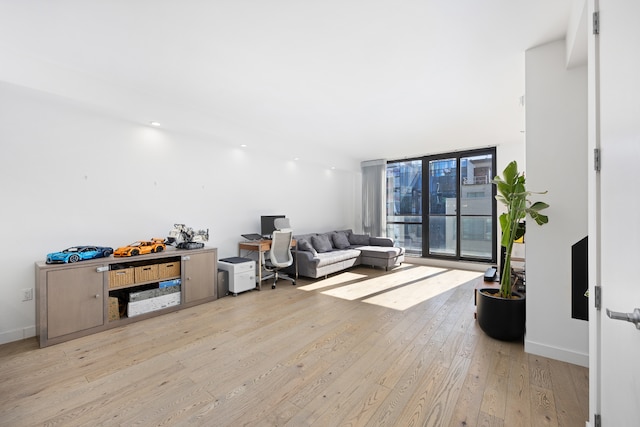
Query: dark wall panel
<point x="579" y="280"/>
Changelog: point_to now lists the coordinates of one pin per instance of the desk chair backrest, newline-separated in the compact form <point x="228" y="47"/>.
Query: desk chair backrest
<point x="280" y="253"/>
<point x="281" y="223"/>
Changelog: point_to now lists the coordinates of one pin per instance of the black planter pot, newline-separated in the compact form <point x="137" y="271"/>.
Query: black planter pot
<point x="502" y="319"/>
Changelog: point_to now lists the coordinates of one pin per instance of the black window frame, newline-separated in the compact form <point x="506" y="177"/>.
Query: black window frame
<point x="457" y="155"/>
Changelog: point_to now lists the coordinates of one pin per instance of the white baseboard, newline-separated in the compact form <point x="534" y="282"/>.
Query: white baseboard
<point x="459" y="265"/>
<point x="17" y="334"/>
<point x="562" y="354"/>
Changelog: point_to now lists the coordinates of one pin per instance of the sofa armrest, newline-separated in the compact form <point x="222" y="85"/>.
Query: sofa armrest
<point x="381" y="241"/>
<point x="305" y="256"/>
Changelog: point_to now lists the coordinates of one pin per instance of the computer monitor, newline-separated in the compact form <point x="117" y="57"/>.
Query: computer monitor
<point x="267" y="226"/>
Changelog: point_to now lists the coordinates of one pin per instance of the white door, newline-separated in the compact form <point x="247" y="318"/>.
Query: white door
<point x="615" y="380"/>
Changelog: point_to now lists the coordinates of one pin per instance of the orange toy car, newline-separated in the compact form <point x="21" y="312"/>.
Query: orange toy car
<point x="141" y="247"/>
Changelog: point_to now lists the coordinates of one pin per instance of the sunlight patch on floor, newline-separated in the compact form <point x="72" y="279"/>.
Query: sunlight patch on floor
<point x="382" y="283"/>
<point x="415" y="293"/>
<point x="332" y="281"/>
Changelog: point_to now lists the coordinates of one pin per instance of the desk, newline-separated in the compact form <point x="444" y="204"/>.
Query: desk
<point x="262" y="246"/>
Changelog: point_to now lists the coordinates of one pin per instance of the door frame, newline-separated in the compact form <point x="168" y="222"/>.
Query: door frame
<point x="593" y="111"/>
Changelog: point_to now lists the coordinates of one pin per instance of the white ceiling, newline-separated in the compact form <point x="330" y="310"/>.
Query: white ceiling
<point x="350" y="79"/>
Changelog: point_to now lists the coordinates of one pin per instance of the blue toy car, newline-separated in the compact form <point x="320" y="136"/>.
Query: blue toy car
<point x="78" y="253"/>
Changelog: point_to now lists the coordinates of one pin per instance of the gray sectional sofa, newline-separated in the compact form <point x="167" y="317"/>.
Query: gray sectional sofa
<point x="320" y="254"/>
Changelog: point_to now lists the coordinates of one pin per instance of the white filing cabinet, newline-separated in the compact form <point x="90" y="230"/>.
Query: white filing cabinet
<point x="242" y="273"/>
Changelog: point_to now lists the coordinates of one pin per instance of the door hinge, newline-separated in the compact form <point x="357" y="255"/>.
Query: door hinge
<point x="597" y="298"/>
<point x="596" y="23"/>
<point x="596" y="159"/>
<point x="597" y="421"/>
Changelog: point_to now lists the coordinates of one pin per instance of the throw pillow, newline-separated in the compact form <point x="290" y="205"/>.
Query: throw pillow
<point x="303" y="245"/>
<point x="359" y="239"/>
<point x="321" y="242"/>
<point x="340" y="240"/>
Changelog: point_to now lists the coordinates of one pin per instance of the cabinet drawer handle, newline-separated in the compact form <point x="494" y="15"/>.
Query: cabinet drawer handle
<point x="146" y="269"/>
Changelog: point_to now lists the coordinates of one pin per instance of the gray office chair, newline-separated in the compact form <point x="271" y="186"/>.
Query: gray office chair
<point x="280" y="255"/>
<point x="281" y="223"/>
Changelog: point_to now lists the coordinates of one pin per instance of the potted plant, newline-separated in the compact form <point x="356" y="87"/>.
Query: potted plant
<point x="501" y="312"/>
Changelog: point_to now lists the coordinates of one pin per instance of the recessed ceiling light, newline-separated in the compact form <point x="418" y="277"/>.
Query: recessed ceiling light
<point x="243" y="145"/>
<point x="154" y="123"/>
<point x="296" y="158"/>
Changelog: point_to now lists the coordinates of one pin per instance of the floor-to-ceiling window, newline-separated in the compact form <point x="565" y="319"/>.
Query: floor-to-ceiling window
<point x="442" y="215"/>
<point x="457" y="217"/>
<point x="404" y="204"/>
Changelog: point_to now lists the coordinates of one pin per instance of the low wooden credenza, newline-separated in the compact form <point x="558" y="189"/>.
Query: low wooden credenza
<point x="82" y="298"/>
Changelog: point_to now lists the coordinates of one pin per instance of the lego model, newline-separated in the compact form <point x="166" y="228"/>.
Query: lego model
<point x="184" y="237"/>
<point x="78" y="253"/>
<point x="141" y="247"/>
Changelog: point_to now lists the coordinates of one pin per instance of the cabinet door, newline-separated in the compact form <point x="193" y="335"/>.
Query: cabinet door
<point x="75" y="300"/>
<point x="199" y="276"/>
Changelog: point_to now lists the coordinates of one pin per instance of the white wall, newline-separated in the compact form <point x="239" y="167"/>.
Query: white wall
<point x="556" y="160"/>
<point x="72" y="175"/>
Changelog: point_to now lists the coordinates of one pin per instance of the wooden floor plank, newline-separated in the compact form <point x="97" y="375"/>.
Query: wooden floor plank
<point x="298" y="355"/>
<point x="434" y="404"/>
<point x="543" y="407"/>
<point x="467" y="407"/>
<point x="569" y="400"/>
<point x="518" y="409"/>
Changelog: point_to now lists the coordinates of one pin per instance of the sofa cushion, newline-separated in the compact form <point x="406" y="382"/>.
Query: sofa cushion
<point x="381" y="241"/>
<point x="304" y="245"/>
<point x="380" y="251"/>
<point x="346" y="232"/>
<point x="328" y="258"/>
<point x="321" y="243"/>
<point x="340" y="240"/>
<point x="359" y="239"/>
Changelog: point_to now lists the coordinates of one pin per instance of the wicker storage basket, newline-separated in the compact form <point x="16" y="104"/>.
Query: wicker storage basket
<point x="146" y="273"/>
<point x="122" y="277"/>
<point x="169" y="270"/>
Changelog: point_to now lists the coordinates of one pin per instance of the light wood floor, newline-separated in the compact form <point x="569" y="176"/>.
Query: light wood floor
<point x="296" y="357"/>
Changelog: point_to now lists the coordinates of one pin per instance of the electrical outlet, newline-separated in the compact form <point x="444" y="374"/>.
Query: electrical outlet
<point x="27" y="294"/>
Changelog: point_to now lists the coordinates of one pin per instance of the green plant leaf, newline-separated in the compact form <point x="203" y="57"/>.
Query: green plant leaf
<point x="511" y="191"/>
<point x="538" y="206"/>
<point x="520" y="230"/>
<point x="504" y="225"/>
<point x="539" y="218"/>
<point x="510" y="173"/>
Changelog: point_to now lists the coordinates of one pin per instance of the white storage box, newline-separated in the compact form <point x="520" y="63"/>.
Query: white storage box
<point x="152" y="293"/>
<point x="136" y="308"/>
